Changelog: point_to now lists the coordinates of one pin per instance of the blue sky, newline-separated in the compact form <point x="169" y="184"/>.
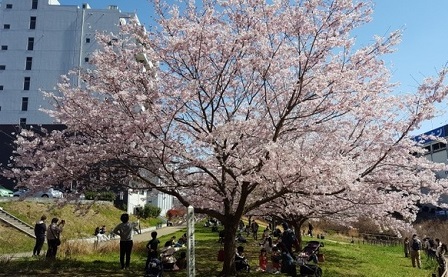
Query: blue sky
<point x="422" y="52"/>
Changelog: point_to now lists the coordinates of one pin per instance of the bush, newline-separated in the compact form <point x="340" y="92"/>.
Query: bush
<point x="103" y="196"/>
<point x="173" y="213"/>
<point x="148" y="211"/>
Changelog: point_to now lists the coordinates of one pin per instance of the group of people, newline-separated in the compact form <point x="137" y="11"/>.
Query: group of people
<point x="433" y="248"/>
<point x="250" y="228"/>
<point x="52" y="233"/>
<point x="155" y="258"/>
<point x="275" y="256"/>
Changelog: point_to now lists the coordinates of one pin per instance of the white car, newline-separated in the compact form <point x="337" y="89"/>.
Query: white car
<point x="49" y="193"/>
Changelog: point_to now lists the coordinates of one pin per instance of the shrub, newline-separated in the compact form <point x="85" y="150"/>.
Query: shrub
<point x="148" y="211"/>
<point x="173" y="213"/>
<point x="104" y="195"/>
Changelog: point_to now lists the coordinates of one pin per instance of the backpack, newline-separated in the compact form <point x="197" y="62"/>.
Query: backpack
<point x="289" y="238"/>
<point x="415" y="244"/>
<point x="155" y="268"/>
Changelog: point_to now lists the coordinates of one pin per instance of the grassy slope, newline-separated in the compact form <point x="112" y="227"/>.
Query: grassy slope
<point x="81" y="221"/>
<point x="342" y="259"/>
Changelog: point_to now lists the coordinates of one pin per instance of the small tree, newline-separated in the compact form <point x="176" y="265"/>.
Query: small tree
<point x="148" y="211"/>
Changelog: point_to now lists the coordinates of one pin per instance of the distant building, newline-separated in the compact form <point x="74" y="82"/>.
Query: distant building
<point x="138" y="198"/>
<point x="40" y="40"/>
<point x="436" y="152"/>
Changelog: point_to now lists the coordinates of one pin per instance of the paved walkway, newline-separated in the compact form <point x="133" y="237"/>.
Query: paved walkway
<point x="144" y="236"/>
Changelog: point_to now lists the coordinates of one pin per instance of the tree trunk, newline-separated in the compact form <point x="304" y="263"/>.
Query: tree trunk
<point x="230" y="228"/>
<point x="297" y="225"/>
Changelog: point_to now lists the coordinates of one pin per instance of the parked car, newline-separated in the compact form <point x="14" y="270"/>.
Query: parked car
<point x="4" y="192"/>
<point x="49" y="193"/>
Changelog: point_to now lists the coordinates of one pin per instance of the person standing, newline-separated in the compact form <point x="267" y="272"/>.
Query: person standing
<point x="416" y="246"/>
<point x="152" y="246"/>
<point x="54" y="237"/>
<point x="406" y="247"/>
<point x="441" y="250"/>
<point x="310" y="229"/>
<point x="40" y="229"/>
<point x="289" y="239"/>
<point x="125" y="231"/>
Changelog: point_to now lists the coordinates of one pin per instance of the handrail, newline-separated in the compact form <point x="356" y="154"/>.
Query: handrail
<point x="23" y="222"/>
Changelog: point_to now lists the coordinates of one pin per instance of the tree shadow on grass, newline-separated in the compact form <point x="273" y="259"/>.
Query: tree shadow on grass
<point x="65" y="267"/>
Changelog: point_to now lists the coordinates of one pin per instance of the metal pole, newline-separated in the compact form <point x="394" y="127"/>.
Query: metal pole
<point x="190" y="242"/>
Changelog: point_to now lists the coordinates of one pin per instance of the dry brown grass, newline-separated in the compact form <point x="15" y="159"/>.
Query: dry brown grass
<point x="433" y="229"/>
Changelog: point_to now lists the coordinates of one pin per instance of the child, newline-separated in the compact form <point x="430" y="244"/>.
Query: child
<point x="152" y="246"/>
<point x="263" y="260"/>
<point x="276" y="258"/>
<point x="241" y="262"/>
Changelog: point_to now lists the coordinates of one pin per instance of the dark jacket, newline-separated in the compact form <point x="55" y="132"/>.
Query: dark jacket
<point x="39" y="229"/>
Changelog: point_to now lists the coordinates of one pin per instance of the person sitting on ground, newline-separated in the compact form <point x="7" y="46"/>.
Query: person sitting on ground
<point x="182" y="241"/>
<point x="103" y="230"/>
<point x="171" y="242"/>
<point x="182" y="261"/>
<point x="263" y="260"/>
<point x="240" y="238"/>
<point x="276" y="258"/>
<point x="100" y="233"/>
<point x="241" y="263"/>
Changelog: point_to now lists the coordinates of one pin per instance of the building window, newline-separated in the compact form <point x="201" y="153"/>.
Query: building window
<point x="33" y="22"/>
<point x="24" y="103"/>
<point x="9" y="6"/>
<point x="87" y="40"/>
<point x="34" y="4"/>
<point x="30" y="43"/>
<point x="29" y="63"/>
<point x="2" y="67"/>
<point x="86" y="59"/>
<point x="1" y="87"/>
<point x="22" y="122"/>
<point x="4" y="47"/>
<point x="6" y="26"/>
<point x="26" y="83"/>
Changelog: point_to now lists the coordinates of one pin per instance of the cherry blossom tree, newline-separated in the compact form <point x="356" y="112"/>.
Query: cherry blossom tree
<point x="230" y="105"/>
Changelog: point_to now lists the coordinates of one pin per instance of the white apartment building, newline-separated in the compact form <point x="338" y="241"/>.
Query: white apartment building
<point x="40" y="40"/>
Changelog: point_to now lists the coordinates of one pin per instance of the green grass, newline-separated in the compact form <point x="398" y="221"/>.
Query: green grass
<point x="342" y="259"/>
<point x="81" y="221"/>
